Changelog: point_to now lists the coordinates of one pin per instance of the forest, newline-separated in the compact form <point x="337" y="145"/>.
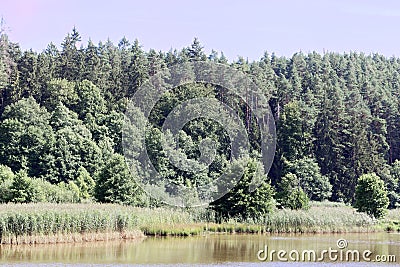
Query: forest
<point x="62" y="114"/>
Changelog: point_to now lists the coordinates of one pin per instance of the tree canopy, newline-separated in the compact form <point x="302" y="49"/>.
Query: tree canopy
<point x="62" y="113"/>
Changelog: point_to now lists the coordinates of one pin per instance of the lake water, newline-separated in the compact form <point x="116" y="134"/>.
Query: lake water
<point x="214" y="250"/>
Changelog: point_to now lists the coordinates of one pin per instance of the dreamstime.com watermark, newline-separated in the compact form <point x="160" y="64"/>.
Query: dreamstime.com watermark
<point x="341" y="253"/>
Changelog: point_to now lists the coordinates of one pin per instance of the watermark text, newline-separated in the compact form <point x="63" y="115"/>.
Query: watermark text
<point x="339" y="253"/>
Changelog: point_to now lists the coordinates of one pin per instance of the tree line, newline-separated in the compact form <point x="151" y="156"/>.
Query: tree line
<point x="62" y="113"/>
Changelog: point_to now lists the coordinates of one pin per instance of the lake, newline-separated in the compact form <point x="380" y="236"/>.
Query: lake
<point x="215" y="250"/>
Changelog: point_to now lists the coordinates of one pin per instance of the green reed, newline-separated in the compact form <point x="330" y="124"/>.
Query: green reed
<point x="45" y="222"/>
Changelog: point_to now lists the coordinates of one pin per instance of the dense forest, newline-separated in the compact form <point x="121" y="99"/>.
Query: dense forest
<point x="62" y="113"/>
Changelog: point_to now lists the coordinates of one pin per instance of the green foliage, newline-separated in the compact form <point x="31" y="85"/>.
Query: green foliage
<point x="390" y="176"/>
<point x="62" y="118"/>
<point x="290" y="132"/>
<point x="6" y="180"/>
<point x="57" y="193"/>
<point x="23" y="190"/>
<point x="394" y="184"/>
<point x="3" y="68"/>
<point x="85" y="183"/>
<point x="90" y="101"/>
<point x="59" y="90"/>
<point x="73" y="147"/>
<point x="9" y="76"/>
<point x="290" y="194"/>
<point x="26" y="138"/>
<point x="20" y="188"/>
<point x="240" y="201"/>
<point x="6" y="173"/>
<point x="115" y="183"/>
<point x="313" y="183"/>
<point x="371" y="195"/>
<point x="297" y="199"/>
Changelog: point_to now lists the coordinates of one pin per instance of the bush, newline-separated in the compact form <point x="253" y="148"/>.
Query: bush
<point x="115" y="184"/>
<point x="291" y="195"/>
<point x="297" y="199"/>
<point x="57" y="193"/>
<point x="240" y="202"/>
<point x="20" y="188"/>
<point x="85" y="183"/>
<point x="5" y="173"/>
<point x="24" y="190"/>
<point x="315" y="185"/>
<point x="6" y="179"/>
<point x="371" y="195"/>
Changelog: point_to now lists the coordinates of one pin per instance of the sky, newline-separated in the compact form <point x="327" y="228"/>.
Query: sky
<point x="237" y="28"/>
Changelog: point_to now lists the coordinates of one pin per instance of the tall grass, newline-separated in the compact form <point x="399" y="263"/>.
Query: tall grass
<point x="322" y="217"/>
<point x="48" y="223"/>
<point x="42" y="223"/>
<point x="319" y="219"/>
<point x="169" y="221"/>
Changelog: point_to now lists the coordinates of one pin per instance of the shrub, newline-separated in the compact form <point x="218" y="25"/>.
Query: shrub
<point x="314" y="184"/>
<point x="240" y="201"/>
<point x="57" y="193"/>
<point x="6" y="180"/>
<point x="23" y="190"/>
<point x="115" y="183"/>
<point x="297" y="199"/>
<point x="85" y="183"/>
<point x="291" y="195"/>
<point x="371" y="195"/>
<point x="5" y="173"/>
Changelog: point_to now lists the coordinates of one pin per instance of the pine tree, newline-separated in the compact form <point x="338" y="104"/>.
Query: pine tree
<point x="71" y="59"/>
<point x="92" y="63"/>
<point x="195" y="51"/>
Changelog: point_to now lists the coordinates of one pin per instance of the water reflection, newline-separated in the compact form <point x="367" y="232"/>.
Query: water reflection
<point x="235" y="250"/>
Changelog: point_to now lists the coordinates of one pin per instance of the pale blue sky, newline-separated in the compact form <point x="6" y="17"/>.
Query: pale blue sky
<point x="246" y="28"/>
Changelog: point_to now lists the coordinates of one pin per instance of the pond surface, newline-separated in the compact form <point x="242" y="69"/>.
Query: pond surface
<point x="215" y="250"/>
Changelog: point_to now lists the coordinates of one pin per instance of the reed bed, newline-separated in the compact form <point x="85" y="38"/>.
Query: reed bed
<point x="320" y="219"/>
<point x="171" y="221"/>
<point x="52" y="223"/>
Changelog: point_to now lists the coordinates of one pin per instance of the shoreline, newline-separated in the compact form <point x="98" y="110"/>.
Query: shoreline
<point x="88" y="238"/>
<point x="131" y="235"/>
<point x="44" y="223"/>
